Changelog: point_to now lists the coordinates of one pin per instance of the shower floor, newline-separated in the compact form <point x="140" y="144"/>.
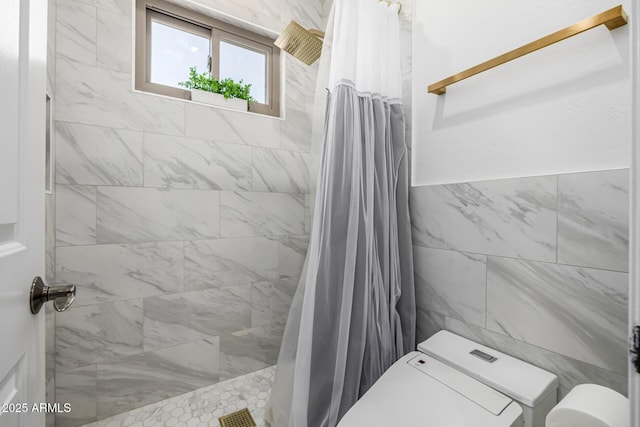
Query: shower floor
<point x="202" y="407"/>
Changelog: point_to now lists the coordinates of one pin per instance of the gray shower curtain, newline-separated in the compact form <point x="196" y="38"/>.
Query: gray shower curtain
<point x="354" y="312"/>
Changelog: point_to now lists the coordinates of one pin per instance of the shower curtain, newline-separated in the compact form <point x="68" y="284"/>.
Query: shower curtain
<point x="353" y="314"/>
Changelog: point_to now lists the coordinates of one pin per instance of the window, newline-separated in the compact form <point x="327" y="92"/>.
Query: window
<point x="170" y="40"/>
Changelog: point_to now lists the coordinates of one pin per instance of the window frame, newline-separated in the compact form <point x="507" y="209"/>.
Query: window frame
<point x="206" y="26"/>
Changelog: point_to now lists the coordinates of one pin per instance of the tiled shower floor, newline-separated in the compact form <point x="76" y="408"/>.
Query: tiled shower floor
<point x="202" y="407"/>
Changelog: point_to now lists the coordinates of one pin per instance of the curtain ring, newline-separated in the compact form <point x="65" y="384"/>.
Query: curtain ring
<point x="389" y="3"/>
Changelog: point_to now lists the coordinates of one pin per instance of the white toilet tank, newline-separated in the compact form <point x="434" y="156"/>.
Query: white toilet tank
<point x="533" y="388"/>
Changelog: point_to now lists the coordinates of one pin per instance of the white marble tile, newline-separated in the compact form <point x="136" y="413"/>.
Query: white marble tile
<point x="221" y="310"/>
<point x="570" y="372"/>
<point x="52" y="7"/>
<point x="261" y="214"/>
<point x="266" y="7"/>
<point x="593" y="219"/>
<point x="76" y="387"/>
<point x="270" y="302"/>
<point x="97" y="96"/>
<point x="94" y="333"/>
<point x="97" y="155"/>
<point x="201" y="407"/>
<point x="225" y="262"/>
<point x="261" y="295"/>
<point x="148" y="214"/>
<point x="510" y="217"/>
<point x="293" y="251"/>
<point x="308" y="202"/>
<point x="307" y="13"/>
<point x="220" y="125"/>
<point x="578" y="312"/>
<point x="104" y="273"/>
<point x="122" y="7"/>
<point x="135" y="381"/>
<point x="75" y="215"/>
<point x="76" y="31"/>
<point x="451" y="283"/>
<point x="427" y="324"/>
<point x="114" y="41"/>
<point x="296" y="131"/>
<point x="235" y="13"/>
<point x="300" y="84"/>
<point x="326" y="8"/>
<point x="284" y="291"/>
<point x="249" y="350"/>
<point x="281" y="171"/>
<point x="167" y="321"/>
<point x="175" y="319"/>
<point x="176" y="162"/>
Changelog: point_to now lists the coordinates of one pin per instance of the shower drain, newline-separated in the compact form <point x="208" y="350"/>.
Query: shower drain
<point x="241" y="418"/>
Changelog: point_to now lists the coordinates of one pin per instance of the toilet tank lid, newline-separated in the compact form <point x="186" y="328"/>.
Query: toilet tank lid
<point x="519" y="380"/>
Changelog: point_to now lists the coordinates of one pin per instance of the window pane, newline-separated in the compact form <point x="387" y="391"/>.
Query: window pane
<point x="239" y="63"/>
<point x="173" y="51"/>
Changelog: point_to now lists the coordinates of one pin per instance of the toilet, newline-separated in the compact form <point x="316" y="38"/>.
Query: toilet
<point x="454" y="382"/>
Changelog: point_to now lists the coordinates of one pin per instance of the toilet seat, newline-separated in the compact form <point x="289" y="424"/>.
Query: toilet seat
<point x="418" y="390"/>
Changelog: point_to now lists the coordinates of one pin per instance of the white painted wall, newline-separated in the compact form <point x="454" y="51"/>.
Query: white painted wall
<point x="566" y="108"/>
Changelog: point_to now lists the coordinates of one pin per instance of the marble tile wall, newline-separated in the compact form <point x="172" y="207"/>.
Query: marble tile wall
<point x="183" y="226"/>
<point x="534" y="267"/>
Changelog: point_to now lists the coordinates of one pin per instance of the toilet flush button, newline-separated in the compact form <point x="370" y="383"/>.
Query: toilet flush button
<point x="482" y="355"/>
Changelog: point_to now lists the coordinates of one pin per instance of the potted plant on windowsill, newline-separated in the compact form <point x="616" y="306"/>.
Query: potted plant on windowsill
<point x="223" y="93"/>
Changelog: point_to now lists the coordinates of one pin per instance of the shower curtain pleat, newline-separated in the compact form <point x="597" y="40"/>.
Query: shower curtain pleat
<point x="353" y="314"/>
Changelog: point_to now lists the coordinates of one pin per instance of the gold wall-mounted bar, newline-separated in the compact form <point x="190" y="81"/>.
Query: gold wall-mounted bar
<point x="612" y="18"/>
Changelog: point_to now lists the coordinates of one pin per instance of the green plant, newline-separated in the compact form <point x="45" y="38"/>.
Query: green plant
<point x="226" y="87"/>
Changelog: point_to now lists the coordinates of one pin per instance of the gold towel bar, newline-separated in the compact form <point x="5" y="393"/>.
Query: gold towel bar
<point x="612" y="18"/>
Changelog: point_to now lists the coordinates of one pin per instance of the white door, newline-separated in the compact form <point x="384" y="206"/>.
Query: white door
<point x="23" y="27"/>
<point x="634" y="238"/>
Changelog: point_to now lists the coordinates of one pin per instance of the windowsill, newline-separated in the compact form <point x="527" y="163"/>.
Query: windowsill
<point x="207" y="35"/>
<point x="281" y="117"/>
